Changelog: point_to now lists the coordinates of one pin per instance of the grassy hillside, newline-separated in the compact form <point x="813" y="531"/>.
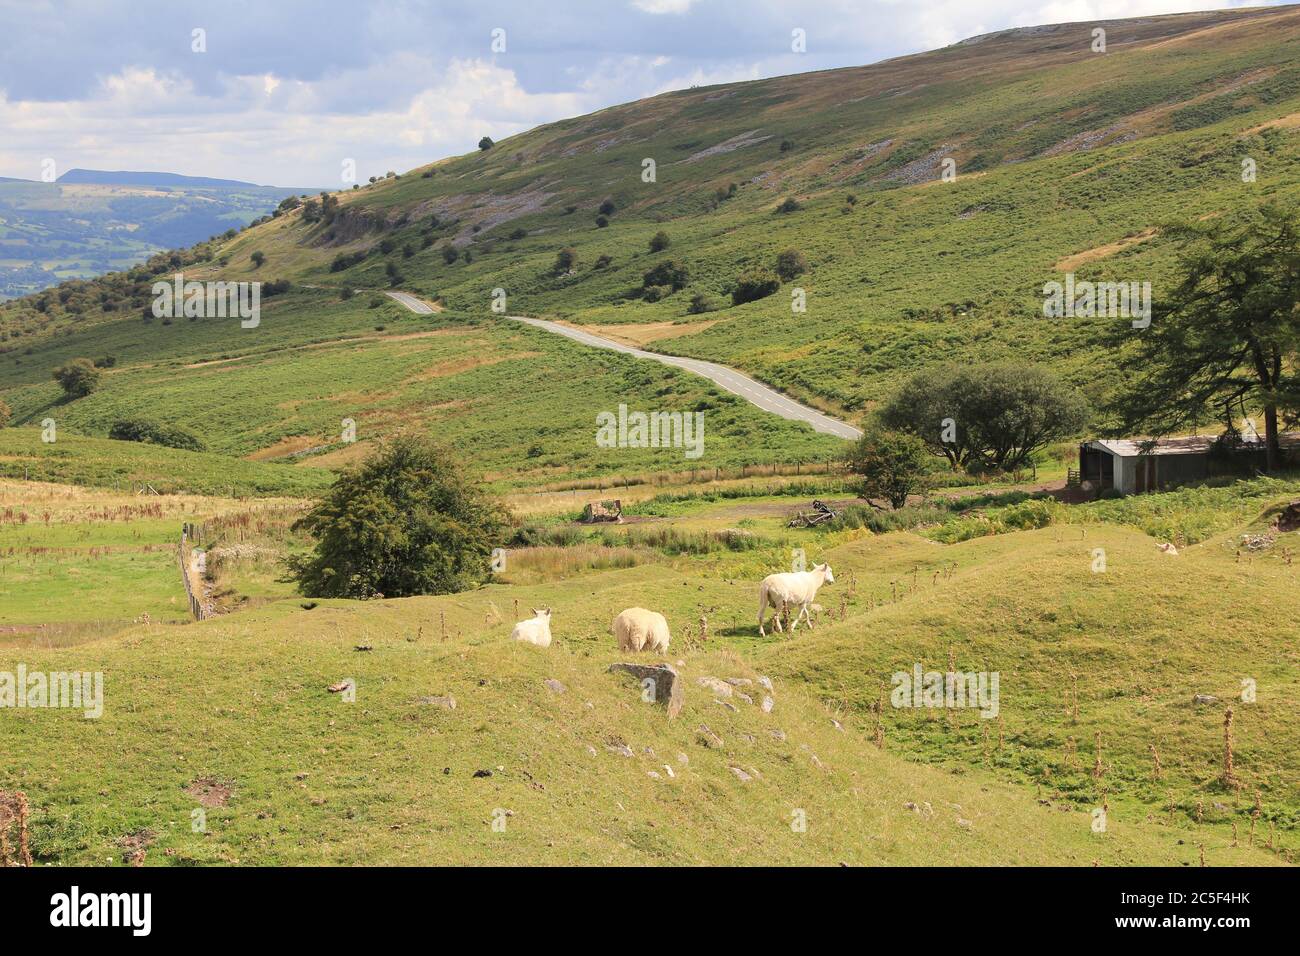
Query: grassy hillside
<point x="1066" y="160"/>
<point x="391" y="777"/>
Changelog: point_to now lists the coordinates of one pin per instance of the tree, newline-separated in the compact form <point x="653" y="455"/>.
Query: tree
<point x="988" y="417"/>
<point x="566" y="260"/>
<point x="395" y="277"/>
<point x="143" y="430"/>
<point x="791" y="264"/>
<point x="892" y="465"/>
<point x="1228" y="334"/>
<point x="405" y="522"/>
<point x="670" y="272"/>
<point x="754" y="284"/>
<point x="79" y="377"/>
<point x="258" y="258"/>
<point x="659" y="241"/>
<point x="486" y="143"/>
<point x="6" y="415"/>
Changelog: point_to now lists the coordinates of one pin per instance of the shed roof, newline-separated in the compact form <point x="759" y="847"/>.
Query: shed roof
<point x="1185" y="445"/>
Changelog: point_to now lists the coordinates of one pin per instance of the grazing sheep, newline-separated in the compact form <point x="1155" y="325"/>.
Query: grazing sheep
<point x="637" y="629"/>
<point x="792" y="589"/>
<point x="535" y="630"/>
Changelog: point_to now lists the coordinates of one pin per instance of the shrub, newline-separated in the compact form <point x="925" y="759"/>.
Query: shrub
<point x="78" y="378"/>
<point x="395" y="277"/>
<point x="791" y="264"/>
<point x="602" y="261"/>
<point x="486" y="143"/>
<point x="258" y="258"/>
<point x="450" y="254"/>
<point x="6" y="415"/>
<point x="670" y="273"/>
<point x="701" y="303"/>
<point x="172" y="436"/>
<point x="601" y="222"/>
<point x="653" y="293"/>
<point x="607" y="208"/>
<point x="789" y="205"/>
<point x="405" y="522"/>
<point x="892" y="465"/>
<point x="346" y="260"/>
<point x="519" y="234"/>
<point x="659" y="241"/>
<point x="754" y="284"/>
<point x="566" y="260"/>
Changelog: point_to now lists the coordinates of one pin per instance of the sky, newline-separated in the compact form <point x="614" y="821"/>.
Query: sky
<point x="286" y="92"/>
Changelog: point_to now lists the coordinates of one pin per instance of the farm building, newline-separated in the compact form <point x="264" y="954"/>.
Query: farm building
<point x="1131" y="466"/>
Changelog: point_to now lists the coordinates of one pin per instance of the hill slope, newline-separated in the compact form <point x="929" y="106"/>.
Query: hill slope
<point x="1066" y="160"/>
<point x="236" y="710"/>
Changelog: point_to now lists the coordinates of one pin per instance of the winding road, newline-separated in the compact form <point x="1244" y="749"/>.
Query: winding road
<point x="754" y="392"/>
<point x="411" y="302"/>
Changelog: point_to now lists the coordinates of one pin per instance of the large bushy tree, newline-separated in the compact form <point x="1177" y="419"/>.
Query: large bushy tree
<point x="78" y="378"/>
<point x="404" y="522"/>
<point x="986" y="417"/>
<point x="1228" y="334"/>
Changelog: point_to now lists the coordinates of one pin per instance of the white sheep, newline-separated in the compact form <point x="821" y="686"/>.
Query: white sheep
<point x="638" y="629"/>
<point x="535" y="630"/>
<point x="792" y="589"/>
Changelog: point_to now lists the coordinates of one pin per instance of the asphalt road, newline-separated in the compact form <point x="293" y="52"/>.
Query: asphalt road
<point x="411" y="302"/>
<point x="754" y="392"/>
<point x="747" y="388"/>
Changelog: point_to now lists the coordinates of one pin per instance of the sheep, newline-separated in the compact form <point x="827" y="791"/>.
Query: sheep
<point x="535" y="630"/>
<point x="792" y="589"/>
<point x="637" y="629"/>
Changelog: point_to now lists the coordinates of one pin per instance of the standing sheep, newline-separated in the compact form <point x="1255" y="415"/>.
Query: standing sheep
<point x="792" y="589"/>
<point x="637" y="629"/>
<point x="535" y="630"/>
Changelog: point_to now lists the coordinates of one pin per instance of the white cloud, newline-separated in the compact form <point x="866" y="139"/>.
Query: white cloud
<point x="663" y="6"/>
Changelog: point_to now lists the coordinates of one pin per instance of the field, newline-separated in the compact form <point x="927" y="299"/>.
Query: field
<point x="314" y="779"/>
<point x="1145" y="694"/>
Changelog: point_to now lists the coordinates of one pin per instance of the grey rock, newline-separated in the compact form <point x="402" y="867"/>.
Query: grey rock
<point x="665" y="680"/>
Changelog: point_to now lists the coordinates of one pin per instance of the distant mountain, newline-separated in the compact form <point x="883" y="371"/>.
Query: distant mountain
<point x="126" y="178"/>
<point x="93" y="221"/>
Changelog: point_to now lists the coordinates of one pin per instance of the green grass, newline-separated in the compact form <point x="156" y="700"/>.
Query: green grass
<point x="317" y="780"/>
<point x="388" y="780"/>
<point x="126" y="466"/>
